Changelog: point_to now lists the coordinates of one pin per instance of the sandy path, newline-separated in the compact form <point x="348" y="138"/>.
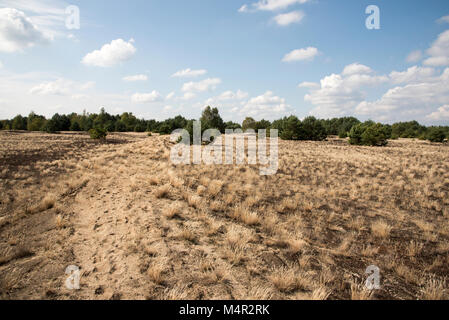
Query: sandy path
<point x="100" y="246"/>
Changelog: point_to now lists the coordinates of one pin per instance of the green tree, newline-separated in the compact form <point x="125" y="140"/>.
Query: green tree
<point x="35" y="122"/>
<point x="211" y="119"/>
<point x="312" y="129"/>
<point x="436" y="134"/>
<point x="369" y="134"/>
<point x="263" y="124"/>
<point x="98" y="133"/>
<point x="232" y="125"/>
<point x="19" y="123"/>
<point x="248" y="123"/>
<point x="289" y="128"/>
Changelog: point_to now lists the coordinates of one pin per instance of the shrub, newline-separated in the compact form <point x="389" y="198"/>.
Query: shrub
<point x="19" y="123"/>
<point x="98" y="133"/>
<point x="343" y="134"/>
<point x="292" y="128"/>
<point x="289" y="128"/>
<point x="249" y="123"/>
<point x="51" y="126"/>
<point x="75" y="126"/>
<point x="232" y="125"/>
<point x="368" y="134"/>
<point x="375" y="135"/>
<point x="436" y="134"/>
<point x="312" y="129"/>
<point x="210" y="119"/>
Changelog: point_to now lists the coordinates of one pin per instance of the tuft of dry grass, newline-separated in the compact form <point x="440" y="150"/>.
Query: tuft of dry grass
<point x="194" y="201"/>
<point x="173" y="211"/>
<point x="381" y="229"/>
<point x="321" y="293"/>
<point x="156" y="273"/>
<point x="246" y="216"/>
<point x="162" y="192"/>
<point x="154" y="181"/>
<point x="360" y="292"/>
<point x="187" y="235"/>
<point x="48" y="202"/>
<point x="288" y="280"/>
<point x="59" y="221"/>
<point x="434" y="289"/>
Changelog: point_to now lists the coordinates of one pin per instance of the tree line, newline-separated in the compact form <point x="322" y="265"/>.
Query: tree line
<point x="290" y="128"/>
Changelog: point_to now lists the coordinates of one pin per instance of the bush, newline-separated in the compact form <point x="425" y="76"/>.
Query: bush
<point x="313" y="130"/>
<point x="369" y="134"/>
<point x="232" y="125"/>
<point x="51" y="126"/>
<point x="289" y="128"/>
<point x="248" y="123"/>
<point x="343" y="134"/>
<point x="436" y="134"/>
<point x="292" y="128"/>
<point x="98" y="133"/>
<point x="211" y="119"/>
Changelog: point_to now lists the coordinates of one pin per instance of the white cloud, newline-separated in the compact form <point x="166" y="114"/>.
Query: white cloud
<point x="437" y="61"/>
<point x="412" y="74"/>
<point x="151" y="97"/>
<point x="229" y="95"/>
<point x="244" y="8"/>
<point x="439" y="51"/>
<point x="414" y="56"/>
<point x="270" y="5"/>
<point x="444" y="19"/>
<point x="267" y="106"/>
<point x="111" y="54"/>
<point x="79" y="96"/>
<point x="301" y="54"/>
<point x="286" y="19"/>
<point x="88" y="85"/>
<point x="441" y="114"/>
<point x="356" y="68"/>
<point x="1" y="65"/>
<point x="61" y="96"/>
<point x="47" y="15"/>
<point x="309" y="85"/>
<point x="60" y="87"/>
<point x="189" y="73"/>
<point x="137" y="77"/>
<point x="417" y="99"/>
<point x="170" y="96"/>
<point x="339" y="94"/>
<point x="227" y="98"/>
<point x="188" y="96"/>
<point x="201" y="86"/>
<point x="18" y="32"/>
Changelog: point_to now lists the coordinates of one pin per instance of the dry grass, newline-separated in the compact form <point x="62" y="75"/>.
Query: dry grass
<point x="288" y="280"/>
<point x="360" y="292"/>
<point x="162" y="192"/>
<point x="173" y="211"/>
<point x="381" y="229"/>
<point x="435" y="289"/>
<point x="223" y="232"/>
<point x="156" y="273"/>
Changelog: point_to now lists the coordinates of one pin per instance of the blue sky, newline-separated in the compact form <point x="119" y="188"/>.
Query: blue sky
<point x="260" y="58"/>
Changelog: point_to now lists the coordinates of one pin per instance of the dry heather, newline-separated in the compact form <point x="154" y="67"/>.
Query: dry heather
<point x="142" y="228"/>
